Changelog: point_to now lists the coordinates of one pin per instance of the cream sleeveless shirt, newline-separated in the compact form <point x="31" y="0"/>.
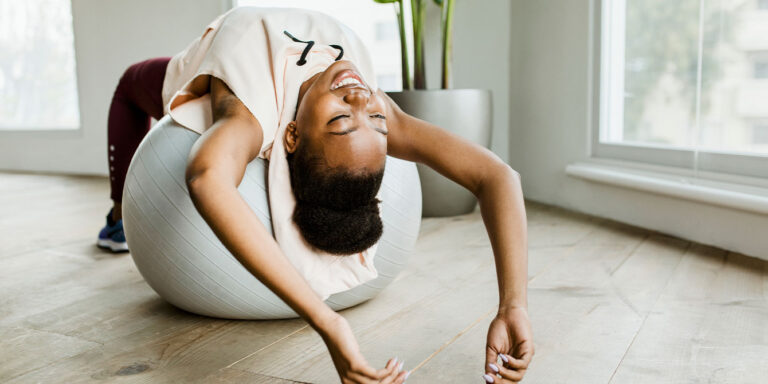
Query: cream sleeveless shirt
<point x="248" y="48"/>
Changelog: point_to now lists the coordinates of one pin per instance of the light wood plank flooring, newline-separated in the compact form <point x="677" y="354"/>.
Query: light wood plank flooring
<point x="609" y="303"/>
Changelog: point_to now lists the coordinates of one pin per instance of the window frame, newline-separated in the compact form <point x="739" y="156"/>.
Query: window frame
<point x="711" y="162"/>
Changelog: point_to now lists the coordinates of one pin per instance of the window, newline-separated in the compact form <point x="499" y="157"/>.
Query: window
<point x="682" y="82"/>
<point x="374" y="23"/>
<point x="38" y="87"/>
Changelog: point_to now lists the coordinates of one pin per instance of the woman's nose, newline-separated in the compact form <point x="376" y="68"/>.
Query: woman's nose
<point x="357" y="96"/>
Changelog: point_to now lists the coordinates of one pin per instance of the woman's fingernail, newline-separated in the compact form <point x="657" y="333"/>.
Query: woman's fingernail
<point x="488" y="378"/>
<point x="406" y="375"/>
<point x="400" y="366"/>
<point x="494" y="367"/>
<point x="506" y="359"/>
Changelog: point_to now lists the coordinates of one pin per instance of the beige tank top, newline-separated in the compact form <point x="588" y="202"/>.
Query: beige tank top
<point x="263" y="55"/>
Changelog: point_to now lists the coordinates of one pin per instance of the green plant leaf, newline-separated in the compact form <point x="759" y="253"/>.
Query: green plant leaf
<point x="438" y="2"/>
<point x="386" y="1"/>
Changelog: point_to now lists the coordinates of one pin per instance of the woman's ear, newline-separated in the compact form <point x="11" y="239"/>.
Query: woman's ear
<point x="291" y="137"/>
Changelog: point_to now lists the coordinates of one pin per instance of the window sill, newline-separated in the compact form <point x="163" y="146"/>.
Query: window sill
<point x="673" y="182"/>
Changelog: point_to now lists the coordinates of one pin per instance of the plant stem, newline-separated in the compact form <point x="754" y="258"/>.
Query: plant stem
<point x="418" y="12"/>
<point x="405" y="66"/>
<point x="447" y="16"/>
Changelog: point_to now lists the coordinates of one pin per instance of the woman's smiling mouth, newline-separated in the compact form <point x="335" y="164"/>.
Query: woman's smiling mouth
<point x="347" y="78"/>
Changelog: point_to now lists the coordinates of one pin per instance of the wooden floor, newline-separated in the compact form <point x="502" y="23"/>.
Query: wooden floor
<point x="609" y="304"/>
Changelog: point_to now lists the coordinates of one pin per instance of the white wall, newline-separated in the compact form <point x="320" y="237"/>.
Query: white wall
<point x="109" y="36"/>
<point x="481" y="57"/>
<point x="548" y="101"/>
<point x="550" y="128"/>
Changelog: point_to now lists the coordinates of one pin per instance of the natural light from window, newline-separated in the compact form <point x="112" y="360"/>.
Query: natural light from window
<point x="374" y="23"/>
<point x="673" y="79"/>
<point x="38" y="87"/>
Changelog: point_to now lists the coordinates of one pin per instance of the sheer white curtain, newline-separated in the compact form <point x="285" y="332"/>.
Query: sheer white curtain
<point x="38" y="87"/>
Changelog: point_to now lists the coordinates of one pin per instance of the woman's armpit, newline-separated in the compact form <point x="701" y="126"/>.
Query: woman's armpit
<point x="225" y="104"/>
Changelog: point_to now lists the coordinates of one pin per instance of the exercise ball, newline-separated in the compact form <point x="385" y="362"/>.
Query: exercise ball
<point x="185" y="263"/>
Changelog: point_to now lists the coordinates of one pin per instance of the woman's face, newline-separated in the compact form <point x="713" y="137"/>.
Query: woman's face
<point x="341" y="119"/>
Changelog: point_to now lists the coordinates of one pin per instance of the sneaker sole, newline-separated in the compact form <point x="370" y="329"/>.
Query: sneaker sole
<point x="112" y="245"/>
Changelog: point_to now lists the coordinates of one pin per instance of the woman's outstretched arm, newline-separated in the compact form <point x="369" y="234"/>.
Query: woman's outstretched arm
<point x="498" y="190"/>
<point x="215" y="168"/>
<point x="216" y="165"/>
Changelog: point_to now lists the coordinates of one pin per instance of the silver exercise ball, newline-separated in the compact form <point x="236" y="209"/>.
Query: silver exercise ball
<point x="185" y="263"/>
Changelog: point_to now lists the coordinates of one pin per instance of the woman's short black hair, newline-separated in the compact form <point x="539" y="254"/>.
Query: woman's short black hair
<point x="336" y="209"/>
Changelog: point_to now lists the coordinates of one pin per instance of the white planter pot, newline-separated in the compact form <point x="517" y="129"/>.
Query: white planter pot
<point x="464" y="112"/>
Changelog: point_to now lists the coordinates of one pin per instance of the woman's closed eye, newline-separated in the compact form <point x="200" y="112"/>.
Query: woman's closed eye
<point x="350" y="130"/>
<point x="337" y="117"/>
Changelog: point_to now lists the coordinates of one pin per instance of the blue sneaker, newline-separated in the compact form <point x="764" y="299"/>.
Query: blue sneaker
<point x="112" y="236"/>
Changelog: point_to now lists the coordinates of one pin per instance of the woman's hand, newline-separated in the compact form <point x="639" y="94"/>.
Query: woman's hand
<point x="350" y="363"/>
<point x="509" y="338"/>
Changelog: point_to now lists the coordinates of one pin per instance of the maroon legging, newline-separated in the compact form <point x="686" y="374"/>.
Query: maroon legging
<point x="138" y="97"/>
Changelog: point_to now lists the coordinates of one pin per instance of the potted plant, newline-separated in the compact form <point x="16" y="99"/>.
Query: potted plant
<point x="465" y="112"/>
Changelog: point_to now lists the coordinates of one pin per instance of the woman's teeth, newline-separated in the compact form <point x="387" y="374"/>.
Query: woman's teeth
<point x="346" y="81"/>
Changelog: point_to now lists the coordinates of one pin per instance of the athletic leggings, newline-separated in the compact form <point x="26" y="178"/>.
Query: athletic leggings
<point x="138" y="98"/>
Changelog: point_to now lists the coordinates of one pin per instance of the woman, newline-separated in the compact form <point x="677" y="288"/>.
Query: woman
<point x="252" y="88"/>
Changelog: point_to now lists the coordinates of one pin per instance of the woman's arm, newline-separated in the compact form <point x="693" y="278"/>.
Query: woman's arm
<point x="495" y="184"/>
<point x="215" y="168"/>
<point x="216" y="165"/>
<point x="498" y="190"/>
